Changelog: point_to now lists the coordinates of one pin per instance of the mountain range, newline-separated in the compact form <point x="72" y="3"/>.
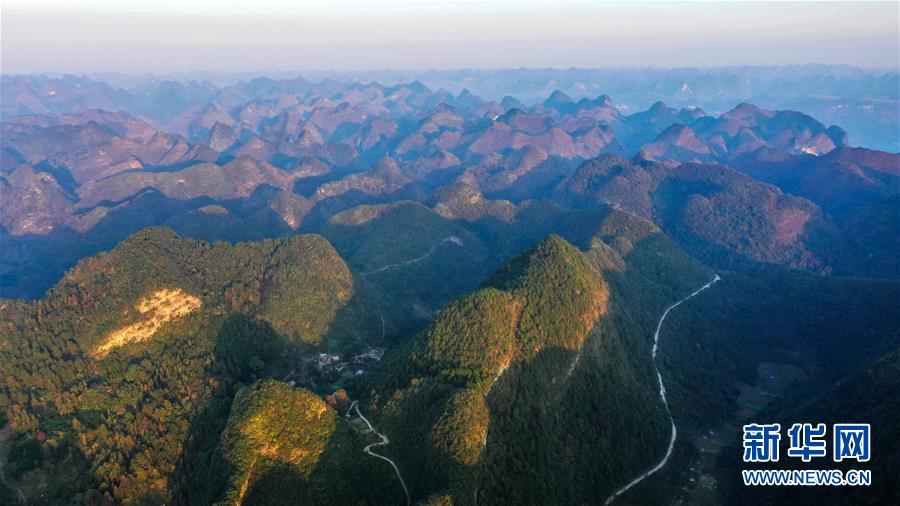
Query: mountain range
<point x="272" y="157"/>
<point x="341" y="291"/>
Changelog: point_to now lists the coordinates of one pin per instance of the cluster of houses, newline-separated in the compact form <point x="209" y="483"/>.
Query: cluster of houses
<point x="330" y="364"/>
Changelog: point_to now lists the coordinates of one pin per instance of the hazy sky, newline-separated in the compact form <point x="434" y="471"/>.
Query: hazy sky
<point x="233" y="35"/>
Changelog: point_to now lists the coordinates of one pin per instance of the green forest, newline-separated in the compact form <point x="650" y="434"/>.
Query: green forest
<point x="176" y="371"/>
<point x="124" y="420"/>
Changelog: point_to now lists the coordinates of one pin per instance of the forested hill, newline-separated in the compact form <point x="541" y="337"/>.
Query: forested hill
<point x="175" y="371"/>
<point x="284" y="445"/>
<point x="522" y="390"/>
<point x="106" y="374"/>
<point x="297" y="285"/>
<point x="125" y="372"/>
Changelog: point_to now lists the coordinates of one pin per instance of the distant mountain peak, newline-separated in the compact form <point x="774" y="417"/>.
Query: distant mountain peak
<point x="658" y="106"/>
<point x="558" y="99"/>
<point x="745" y="110"/>
<point x="509" y="102"/>
<point x="418" y="87"/>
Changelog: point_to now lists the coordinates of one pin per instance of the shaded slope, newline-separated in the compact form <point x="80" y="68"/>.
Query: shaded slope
<point x="286" y="445"/>
<point x="722" y="216"/>
<point x="509" y="385"/>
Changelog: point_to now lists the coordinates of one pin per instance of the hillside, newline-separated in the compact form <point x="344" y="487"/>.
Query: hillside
<point x="286" y="445"/>
<point x="410" y="258"/>
<point x="471" y="344"/>
<point x="729" y="219"/>
<point x="525" y="355"/>
<point x="774" y="346"/>
<point x="869" y="393"/>
<point x="537" y="385"/>
<point x="112" y="371"/>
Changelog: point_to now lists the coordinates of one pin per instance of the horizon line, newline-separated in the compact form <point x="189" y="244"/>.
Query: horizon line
<point x="88" y="73"/>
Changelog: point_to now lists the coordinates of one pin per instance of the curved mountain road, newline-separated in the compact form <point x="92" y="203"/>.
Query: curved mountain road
<point x="662" y="395"/>
<point x="384" y="441"/>
<point x="453" y="239"/>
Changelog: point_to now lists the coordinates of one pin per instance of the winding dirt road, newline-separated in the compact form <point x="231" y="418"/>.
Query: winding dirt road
<point x="662" y="395"/>
<point x="452" y="239"/>
<point x="384" y="441"/>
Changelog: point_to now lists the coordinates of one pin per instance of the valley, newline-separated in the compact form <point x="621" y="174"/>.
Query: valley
<point x="772" y="383"/>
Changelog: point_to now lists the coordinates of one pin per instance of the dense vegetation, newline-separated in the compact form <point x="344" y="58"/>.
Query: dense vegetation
<point x="516" y="375"/>
<point x="722" y="216"/>
<point x="535" y="387"/>
<point x="410" y="259"/>
<point x="512" y="261"/>
<point x="124" y="418"/>
<point x="283" y="445"/>
<point x="840" y="333"/>
<point x="869" y="395"/>
<point x="450" y="369"/>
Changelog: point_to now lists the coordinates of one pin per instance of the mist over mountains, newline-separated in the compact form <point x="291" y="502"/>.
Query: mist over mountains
<point x="266" y="157"/>
<point x="862" y="101"/>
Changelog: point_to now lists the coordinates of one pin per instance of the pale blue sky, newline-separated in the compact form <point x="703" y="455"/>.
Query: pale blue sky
<point x="232" y="35"/>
